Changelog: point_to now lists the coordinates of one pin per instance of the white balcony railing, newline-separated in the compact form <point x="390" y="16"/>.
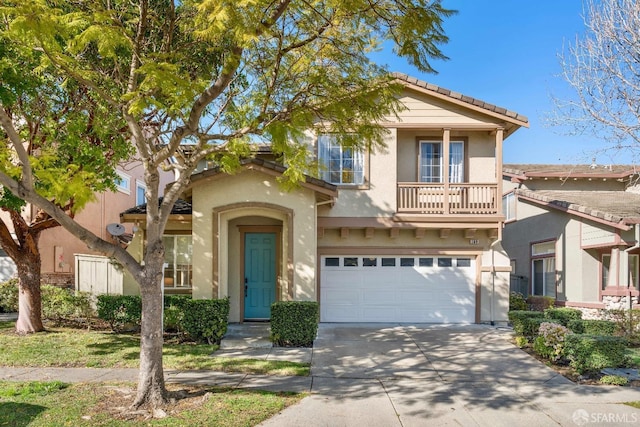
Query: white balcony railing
<point x="445" y="199"/>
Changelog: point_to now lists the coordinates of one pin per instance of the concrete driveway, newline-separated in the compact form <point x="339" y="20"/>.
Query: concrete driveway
<point x="417" y="375"/>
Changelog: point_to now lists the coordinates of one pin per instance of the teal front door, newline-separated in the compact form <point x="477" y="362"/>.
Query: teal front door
<point x="259" y="274"/>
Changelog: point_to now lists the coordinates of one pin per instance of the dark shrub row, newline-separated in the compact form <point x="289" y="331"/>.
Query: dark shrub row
<point x="202" y="320"/>
<point x="294" y="323"/>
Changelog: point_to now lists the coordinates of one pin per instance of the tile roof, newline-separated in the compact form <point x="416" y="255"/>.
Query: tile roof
<point x="181" y="207"/>
<point x="612" y="206"/>
<point x="460" y="97"/>
<point x="561" y="171"/>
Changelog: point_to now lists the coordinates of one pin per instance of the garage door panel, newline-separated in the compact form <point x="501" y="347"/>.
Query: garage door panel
<point x="398" y="293"/>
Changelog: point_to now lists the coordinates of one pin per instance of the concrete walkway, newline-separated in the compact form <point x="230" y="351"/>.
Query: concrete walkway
<point x="407" y="375"/>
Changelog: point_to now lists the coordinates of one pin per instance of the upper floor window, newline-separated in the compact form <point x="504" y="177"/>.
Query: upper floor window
<point x="140" y="190"/>
<point x="339" y="165"/>
<point x="123" y="182"/>
<point x="431" y="164"/>
<point x="509" y="206"/>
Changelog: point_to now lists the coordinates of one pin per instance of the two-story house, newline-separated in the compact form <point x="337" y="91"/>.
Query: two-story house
<point x="572" y="232"/>
<point x="409" y="233"/>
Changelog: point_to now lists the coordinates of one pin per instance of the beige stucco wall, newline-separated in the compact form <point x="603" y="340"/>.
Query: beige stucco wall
<point x="494" y="285"/>
<point x="250" y="194"/>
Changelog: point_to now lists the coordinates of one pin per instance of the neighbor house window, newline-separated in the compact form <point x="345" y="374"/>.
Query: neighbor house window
<point x="140" y="190"/>
<point x="509" y="206"/>
<point x="178" y="252"/>
<point x="339" y="165"/>
<point x="543" y="268"/>
<point x="123" y="182"/>
<point x="634" y="265"/>
<point x="431" y="164"/>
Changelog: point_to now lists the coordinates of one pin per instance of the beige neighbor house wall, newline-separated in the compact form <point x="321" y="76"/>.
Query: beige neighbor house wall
<point x="251" y="198"/>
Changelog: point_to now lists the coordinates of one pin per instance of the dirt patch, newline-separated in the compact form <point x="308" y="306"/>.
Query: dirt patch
<point x="116" y="401"/>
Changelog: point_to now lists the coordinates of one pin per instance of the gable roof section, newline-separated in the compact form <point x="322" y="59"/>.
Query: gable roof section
<point x="324" y="191"/>
<point x="522" y="172"/>
<point x="463" y="100"/>
<point x="618" y="209"/>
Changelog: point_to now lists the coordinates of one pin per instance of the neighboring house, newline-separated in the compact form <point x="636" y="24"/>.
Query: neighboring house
<point x="58" y="247"/>
<point x="409" y="233"/>
<point x="572" y="232"/>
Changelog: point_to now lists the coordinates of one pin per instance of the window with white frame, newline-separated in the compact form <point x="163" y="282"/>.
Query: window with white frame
<point x="340" y="165"/>
<point x="509" y="206"/>
<point x="141" y="188"/>
<point x="431" y="161"/>
<point x="123" y="182"/>
<point x="633" y="270"/>
<point x="543" y="269"/>
<point x="178" y="250"/>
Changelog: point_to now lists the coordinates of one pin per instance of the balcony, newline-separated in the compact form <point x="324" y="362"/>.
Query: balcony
<point x="447" y="199"/>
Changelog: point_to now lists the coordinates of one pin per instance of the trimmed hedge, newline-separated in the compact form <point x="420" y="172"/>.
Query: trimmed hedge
<point x="526" y="323"/>
<point x="122" y="312"/>
<point x="590" y="353"/>
<point x="9" y="296"/>
<point x="202" y="320"/>
<point x="593" y="327"/>
<point x="563" y="315"/>
<point x="540" y="303"/>
<point x="206" y="319"/>
<point x="59" y="304"/>
<point x="294" y="323"/>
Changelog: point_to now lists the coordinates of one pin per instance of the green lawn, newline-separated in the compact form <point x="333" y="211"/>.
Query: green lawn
<point x="57" y="404"/>
<point x="67" y="347"/>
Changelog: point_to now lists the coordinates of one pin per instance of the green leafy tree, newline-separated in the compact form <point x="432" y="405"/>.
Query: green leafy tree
<point x="72" y="147"/>
<point x="217" y="75"/>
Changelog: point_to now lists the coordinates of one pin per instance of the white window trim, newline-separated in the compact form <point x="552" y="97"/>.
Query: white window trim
<point x="452" y="177"/>
<point x="508" y="210"/>
<point x="358" y="157"/>
<point x="140" y="184"/>
<point x="124" y="178"/>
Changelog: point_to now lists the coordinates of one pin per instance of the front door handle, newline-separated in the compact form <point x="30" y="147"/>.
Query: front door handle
<point x="246" y="288"/>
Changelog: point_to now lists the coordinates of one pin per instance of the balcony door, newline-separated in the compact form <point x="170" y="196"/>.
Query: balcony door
<point x="431" y="164"/>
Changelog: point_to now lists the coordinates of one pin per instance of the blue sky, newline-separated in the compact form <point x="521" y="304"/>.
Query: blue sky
<point x="506" y="52"/>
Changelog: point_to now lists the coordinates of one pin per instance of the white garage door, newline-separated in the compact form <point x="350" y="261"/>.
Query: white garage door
<point x="438" y="289"/>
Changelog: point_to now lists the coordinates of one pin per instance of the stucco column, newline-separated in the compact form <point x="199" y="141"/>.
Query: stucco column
<point x="499" y="148"/>
<point x="446" y="137"/>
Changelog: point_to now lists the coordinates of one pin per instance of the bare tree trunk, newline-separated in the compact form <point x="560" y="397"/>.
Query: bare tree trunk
<point x="151" y="387"/>
<point x="29" y="296"/>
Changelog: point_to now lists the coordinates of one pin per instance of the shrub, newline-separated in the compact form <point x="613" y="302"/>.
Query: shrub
<point x="539" y="303"/>
<point x="294" y="323"/>
<point x="9" y="296"/>
<point x="517" y="302"/>
<point x="590" y="353"/>
<point x="563" y="315"/>
<point x="628" y="323"/>
<point x="122" y="312"/>
<point x="593" y="327"/>
<point x="550" y="341"/>
<point x="614" y="380"/>
<point x="520" y="320"/>
<point x="521" y="342"/>
<point x="206" y="320"/>
<point x="60" y="304"/>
